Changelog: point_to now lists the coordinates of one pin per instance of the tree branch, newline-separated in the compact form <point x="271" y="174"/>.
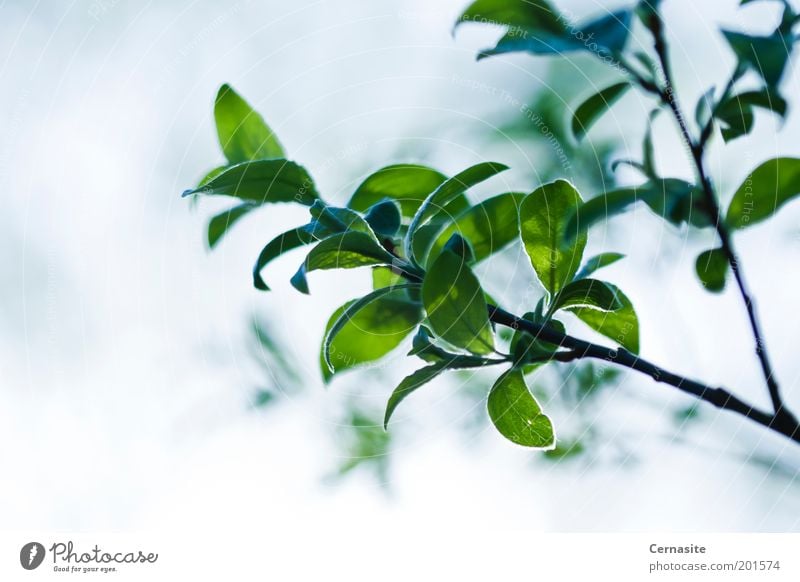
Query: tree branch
<point x="719" y="397"/>
<point x="697" y="150"/>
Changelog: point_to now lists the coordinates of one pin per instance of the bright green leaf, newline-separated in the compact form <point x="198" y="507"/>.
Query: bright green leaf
<point x="516" y="414"/>
<point x="587" y="293"/>
<point x="764" y="191"/>
<point x="367" y="333"/>
<point x="542" y="218"/>
<point x="455" y="305"/>
<point x="262" y="181"/>
<point x="621" y="326"/>
<point x="242" y="132"/>
<point x="407" y="184"/>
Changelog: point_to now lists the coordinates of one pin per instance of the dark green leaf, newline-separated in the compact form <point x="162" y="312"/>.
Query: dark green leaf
<point x="736" y="116"/>
<point x="282" y="243"/>
<point x="528" y="349"/>
<point x="621" y="326"/>
<point x="383" y="318"/>
<point x="347" y="250"/>
<point x="339" y="219"/>
<point x="764" y="191"/>
<point x="409" y="384"/>
<point x="593" y="108"/>
<point x="455" y="305"/>
<point x="766" y="56"/>
<point x="407" y="184"/>
<point x="542" y="217"/>
<point x="384" y="218"/>
<point x="242" y="132"/>
<point x="262" y="181"/>
<point x="587" y="293"/>
<point x="597" y="262"/>
<point x="219" y="225"/>
<point x="712" y="267"/>
<point x="516" y="414"/>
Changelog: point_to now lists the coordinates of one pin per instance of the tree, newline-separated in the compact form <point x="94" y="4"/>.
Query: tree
<point x="418" y="231"/>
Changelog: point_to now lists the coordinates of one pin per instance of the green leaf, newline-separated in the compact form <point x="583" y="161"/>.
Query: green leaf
<point x="712" y="268"/>
<point x="284" y="242"/>
<point x="409" y="384"/>
<point x="455" y="305"/>
<point x="542" y="218"/>
<point x="736" y="116"/>
<point x="597" y="262"/>
<point x="407" y="184"/>
<point x="535" y="15"/>
<point x="621" y="326"/>
<point x="704" y="107"/>
<point x="593" y="108"/>
<point x="448" y="191"/>
<point x="211" y="175"/>
<point x="384" y="218"/>
<point x="673" y="199"/>
<point x="528" y="349"/>
<point x="766" y="56"/>
<point x="603" y="37"/>
<point x="764" y="191"/>
<point x="347" y="250"/>
<point x="385" y="277"/>
<point x="242" y="132"/>
<point x="262" y="181"/>
<point x="372" y="315"/>
<point x="516" y="414"/>
<point x="219" y="225"/>
<point x="488" y="226"/>
<point x="339" y="219"/>
<point x="587" y="293"/>
<point x="363" y="331"/>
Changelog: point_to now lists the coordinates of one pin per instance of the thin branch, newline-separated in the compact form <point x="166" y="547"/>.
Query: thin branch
<point x="697" y="150"/>
<point x="719" y="397"/>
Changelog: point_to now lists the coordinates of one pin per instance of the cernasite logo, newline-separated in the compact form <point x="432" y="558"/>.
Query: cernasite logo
<point x="31" y="555"/>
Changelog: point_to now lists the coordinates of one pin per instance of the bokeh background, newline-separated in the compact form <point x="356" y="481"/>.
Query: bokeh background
<point x="144" y="384"/>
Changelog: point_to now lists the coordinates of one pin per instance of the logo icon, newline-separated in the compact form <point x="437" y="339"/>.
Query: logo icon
<point x="31" y="555"/>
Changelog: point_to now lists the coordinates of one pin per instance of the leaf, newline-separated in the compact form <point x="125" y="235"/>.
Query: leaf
<point x="377" y="316"/>
<point x="516" y="414"/>
<point x="621" y="326"/>
<point x="712" y="268"/>
<point x="455" y="305"/>
<point x="528" y="349"/>
<point x="533" y="15"/>
<point x="704" y="107"/>
<point x="766" y="56"/>
<point x="284" y="242"/>
<point x="736" y="114"/>
<point x="407" y="184"/>
<point x="242" y="132"/>
<point x="358" y="334"/>
<point x="597" y="262"/>
<point x="542" y="218"/>
<point x="673" y="199"/>
<point x="587" y="293"/>
<point x="489" y="226"/>
<point x="768" y="187"/>
<point x="602" y="37"/>
<point x="347" y="250"/>
<point x="385" y="277"/>
<point x="593" y="108"/>
<point x="409" y="384"/>
<point x="448" y="191"/>
<point x="339" y="219"/>
<point x="384" y="218"/>
<point x="262" y="181"/>
<point x="219" y="224"/>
